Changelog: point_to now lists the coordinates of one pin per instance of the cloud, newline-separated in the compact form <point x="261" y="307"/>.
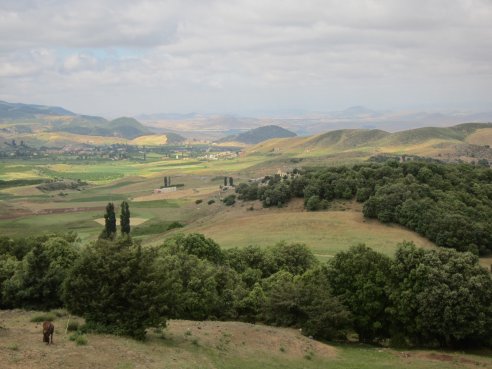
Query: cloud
<point x="237" y="54"/>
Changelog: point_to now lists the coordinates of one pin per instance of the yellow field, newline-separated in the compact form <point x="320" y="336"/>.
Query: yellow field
<point x="481" y="137"/>
<point x="71" y="138"/>
<point x="151" y="140"/>
<point x="65" y="137"/>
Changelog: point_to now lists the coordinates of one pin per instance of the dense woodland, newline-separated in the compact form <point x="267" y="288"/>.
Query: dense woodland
<point x="449" y="204"/>
<point x="434" y="298"/>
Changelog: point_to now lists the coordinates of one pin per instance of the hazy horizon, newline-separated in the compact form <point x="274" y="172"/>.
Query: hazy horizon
<point x="246" y="58"/>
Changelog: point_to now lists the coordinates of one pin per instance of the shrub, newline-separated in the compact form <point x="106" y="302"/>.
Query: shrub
<point x="43" y="317"/>
<point x="313" y="203"/>
<point x="13" y="347"/>
<point x="199" y="201"/>
<point x="210" y="202"/>
<point x="73" y="326"/>
<point x="81" y="340"/>
<point x="74" y="335"/>
<point x="59" y="313"/>
<point x="175" y="225"/>
<point x="229" y="200"/>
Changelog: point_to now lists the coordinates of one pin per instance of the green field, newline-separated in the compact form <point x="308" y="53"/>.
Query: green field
<point x="25" y="210"/>
<point x="324" y="232"/>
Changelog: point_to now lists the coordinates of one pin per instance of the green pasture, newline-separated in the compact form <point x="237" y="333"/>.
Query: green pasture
<point x="106" y="172"/>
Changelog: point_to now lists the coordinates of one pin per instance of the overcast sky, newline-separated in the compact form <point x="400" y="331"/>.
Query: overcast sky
<point x="115" y="57"/>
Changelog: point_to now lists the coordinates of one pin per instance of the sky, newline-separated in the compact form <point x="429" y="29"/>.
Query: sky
<point x="246" y="57"/>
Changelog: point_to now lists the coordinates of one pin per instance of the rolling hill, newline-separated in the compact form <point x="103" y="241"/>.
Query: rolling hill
<point x="45" y="124"/>
<point x="258" y="135"/>
<point x="467" y="142"/>
<point x="10" y="111"/>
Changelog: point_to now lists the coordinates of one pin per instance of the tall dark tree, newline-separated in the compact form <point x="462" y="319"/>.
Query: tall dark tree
<point x="231" y="181"/>
<point x="165" y="181"/>
<point x="109" y="222"/>
<point x="111" y="286"/>
<point x="225" y="181"/>
<point x="125" y="218"/>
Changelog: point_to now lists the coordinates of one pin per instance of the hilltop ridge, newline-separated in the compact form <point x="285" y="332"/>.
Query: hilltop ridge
<point x="468" y="141"/>
<point x="258" y="135"/>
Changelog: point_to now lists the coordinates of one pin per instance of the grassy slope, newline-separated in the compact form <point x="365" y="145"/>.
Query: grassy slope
<point x="217" y="345"/>
<point x="421" y="141"/>
<point x="326" y="232"/>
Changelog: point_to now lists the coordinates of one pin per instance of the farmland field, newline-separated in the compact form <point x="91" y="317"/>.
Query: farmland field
<point x="26" y="210"/>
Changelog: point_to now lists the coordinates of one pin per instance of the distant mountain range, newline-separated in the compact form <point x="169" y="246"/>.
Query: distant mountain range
<point x="217" y="126"/>
<point x="28" y="118"/>
<point x="466" y="142"/>
<point x="258" y="135"/>
<point x="9" y="111"/>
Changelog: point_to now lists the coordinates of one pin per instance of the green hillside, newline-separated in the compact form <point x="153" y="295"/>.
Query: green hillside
<point x="25" y="118"/>
<point x="466" y="142"/>
<point x="258" y="135"/>
<point x="10" y="111"/>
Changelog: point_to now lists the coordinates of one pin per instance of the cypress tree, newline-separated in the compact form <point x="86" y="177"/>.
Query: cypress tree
<point x="109" y="221"/>
<point x="125" y="218"/>
<point x="225" y="181"/>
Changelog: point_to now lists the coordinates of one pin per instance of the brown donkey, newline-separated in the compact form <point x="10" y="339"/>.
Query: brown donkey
<point x="48" y="330"/>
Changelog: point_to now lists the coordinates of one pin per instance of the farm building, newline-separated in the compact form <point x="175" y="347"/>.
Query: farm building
<point x="165" y="190"/>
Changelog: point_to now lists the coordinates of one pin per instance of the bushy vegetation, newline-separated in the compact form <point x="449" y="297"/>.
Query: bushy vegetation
<point x="111" y="285"/>
<point x="32" y="270"/>
<point x="449" y="204"/>
<point x="229" y="200"/>
<point x="39" y="318"/>
<point x="434" y="298"/>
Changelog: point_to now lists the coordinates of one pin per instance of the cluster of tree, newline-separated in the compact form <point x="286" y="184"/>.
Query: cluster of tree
<point x="109" y="231"/>
<point x="57" y="185"/>
<point x="447" y="203"/>
<point x="228" y="180"/>
<point x="421" y="297"/>
<point x="272" y="190"/>
<point x="167" y="181"/>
